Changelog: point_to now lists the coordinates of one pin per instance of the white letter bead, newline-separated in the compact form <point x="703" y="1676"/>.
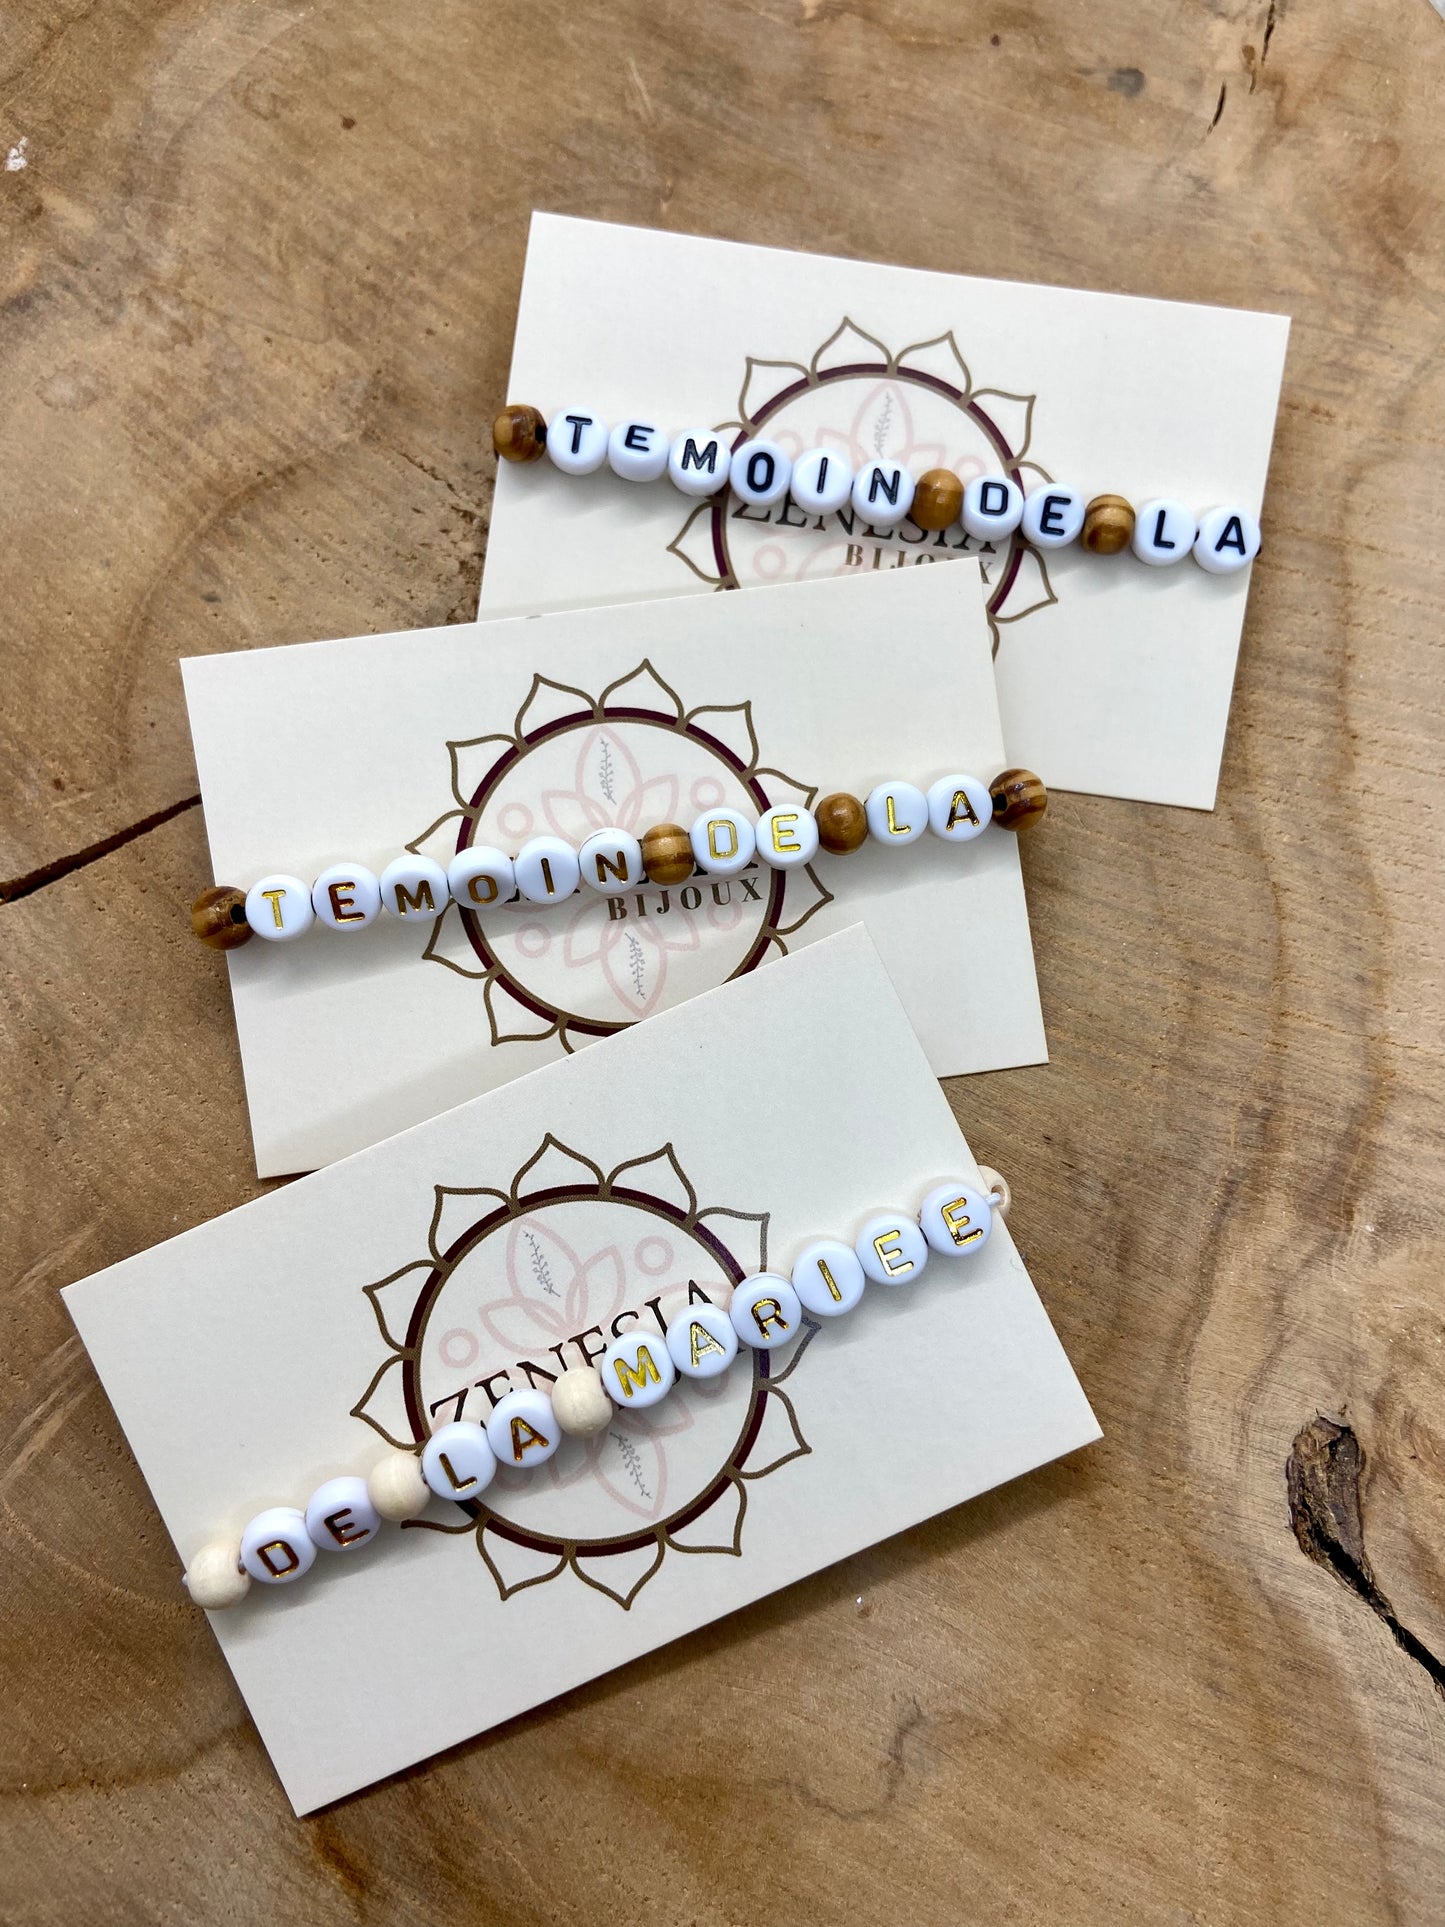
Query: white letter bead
<point x="214" y="1578"/>
<point x="279" y="908"/>
<point x="959" y="807"/>
<point x="698" y="463"/>
<point x="610" y="860"/>
<point x="547" y="869"/>
<point x="760" y="473"/>
<point x="457" y="1461"/>
<point x="396" y="1487"/>
<point x="766" y="1311"/>
<point x="276" y="1547"/>
<point x="993" y="507"/>
<point x="580" y="1403"/>
<point x="891" y="1249"/>
<point x="822" y="482"/>
<point x="1053" y="516"/>
<point x="523" y="1430"/>
<point x="723" y="842"/>
<point x="346" y="897"/>
<point x="637" y="451"/>
<point x="883" y="493"/>
<point x="481" y="876"/>
<point x="340" y="1515"/>
<point x="897" y="812"/>
<point x="577" y="440"/>
<point x="637" y="1370"/>
<point x="1164" y="532"/>
<point x="701" y="1341"/>
<point x="956" y="1218"/>
<point x="415" y="886"/>
<point x="828" y="1278"/>
<point x="1228" y="540"/>
<point x="787" y="836"/>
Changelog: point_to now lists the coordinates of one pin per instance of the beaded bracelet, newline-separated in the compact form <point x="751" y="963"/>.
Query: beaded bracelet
<point x="991" y="507"/>
<point x="548" y="869"/>
<point x="635" y="1371"/>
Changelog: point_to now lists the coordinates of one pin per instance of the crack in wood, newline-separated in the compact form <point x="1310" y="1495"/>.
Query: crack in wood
<point x="1322" y="1477"/>
<point x="64" y="866"/>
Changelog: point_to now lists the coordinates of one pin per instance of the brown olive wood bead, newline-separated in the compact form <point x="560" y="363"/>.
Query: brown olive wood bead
<point x="842" y="823"/>
<point x="218" y="917"/>
<point x="1108" y="525"/>
<point x="519" y="434"/>
<point x="1018" y="798"/>
<point x="937" y="499"/>
<point x="667" y="853"/>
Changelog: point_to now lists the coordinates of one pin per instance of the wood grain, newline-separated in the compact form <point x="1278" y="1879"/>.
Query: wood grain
<point x="258" y="275"/>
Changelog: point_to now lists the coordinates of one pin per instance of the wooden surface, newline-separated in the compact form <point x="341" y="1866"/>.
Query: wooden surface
<point x="259" y="270"/>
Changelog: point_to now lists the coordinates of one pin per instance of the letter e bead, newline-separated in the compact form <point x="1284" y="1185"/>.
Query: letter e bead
<point x="956" y="1218"/>
<point x="340" y="1515"/>
<point x="892" y="1249"/>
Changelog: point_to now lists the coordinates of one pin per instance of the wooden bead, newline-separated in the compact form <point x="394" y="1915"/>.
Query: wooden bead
<point x="667" y="853"/>
<point x="519" y="434"/>
<point x="842" y="823"/>
<point x="218" y="917"/>
<point x="1108" y="525"/>
<point x="396" y="1487"/>
<point x="1018" y="798"/>
<point x="214" y="1578"/>
<point x="580" y="1403"/>
<point x="937" y="499"/>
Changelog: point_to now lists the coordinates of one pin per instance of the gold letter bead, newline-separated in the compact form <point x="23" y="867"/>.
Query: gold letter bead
<point x="519" y="434"/>
<point x="842" y="823"/>
<point x="1018" y="798"/>
<point x="937" y="499"/>
<point x="667" y="853"/>
<point x="218" y="917"/>
<point x="1108" y="525"/>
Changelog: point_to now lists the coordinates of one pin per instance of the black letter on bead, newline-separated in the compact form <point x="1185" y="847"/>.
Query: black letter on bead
<point x="1049" y="523"/>
<point x="1231" y="536"/>
<point x="635" y="428"/>
<point x="986" y="506"/>
<point x="692" y="459"/>
<point x="1159" y="541"/>
<point x="877" y="485"/>
<point x="579" y="422"/>
<point x="761" y="455"/>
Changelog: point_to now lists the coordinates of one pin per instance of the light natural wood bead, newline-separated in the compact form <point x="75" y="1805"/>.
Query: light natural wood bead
<point x="519" y="434"/>
<point x="1018" y="798"/>
<point x="1108" y="525"/>
<point x="667" y="853"/>
<point x="937" y="499"/>
<point x="218" y="917"/>
<point x="580" y="1403"/>
<point x="396" y="1486"/>
<point x="842" y="823"/>
<point x="214" y="1578"/>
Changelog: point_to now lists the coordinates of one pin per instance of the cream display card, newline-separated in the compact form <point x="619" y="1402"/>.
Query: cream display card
<point x="422" y="1280"/>
<point x="352" y="751"/>
<point x="1113" y="677"/>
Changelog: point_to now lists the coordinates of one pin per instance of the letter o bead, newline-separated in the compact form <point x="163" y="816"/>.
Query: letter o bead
<point x="822" y="482"/>
<point x="340" y="1515"/>
<point x="276" y="1547"/>
<point x="580" y="1403"/>
<point x="414" y="886"/>
<point x="523" y="1429"/>
<point x="766" y="1311"/>
<point x="697" y="462"/>
<point x="891" y="1249"/>
<point x="577" y="440"/>
<point x="1228" y="541"/>
<point x="1053" y="516"/>
<point x="897" y="812"/>
<point x="346" y="897"/>
<point x="883" y="493"/>
<point x="955" y="1218"/>
<point x="828" y="1278"/>
<point x="457" y="1461"/>
<point x="547" y="870"/>
<point x="481" y="876"/>
<point x="637" y="1370"/>
<point x="279" y="908"/>
<point x="959" y="808"/>
<point x="760" y="473"/>
<point x="611" y="860"/>
<point x="1164" y="532"/>
<point x="214" y="1578"/>
<point x="702" y="1342"/>
<point x="637" y="451"/>
<point x="723" y="842"/>
<point x="787" y="837"/>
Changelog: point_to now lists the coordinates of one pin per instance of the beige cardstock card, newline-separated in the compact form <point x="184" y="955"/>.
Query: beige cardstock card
<point x="352" y="751"/>
<point x="1113" y="677"/>
<point x="419" y="1281"/>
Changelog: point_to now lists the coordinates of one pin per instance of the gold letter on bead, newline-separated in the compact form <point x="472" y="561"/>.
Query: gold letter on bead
<point x="827" y="1278"/>
<point x="767" y="1312"/>
<point x="633" y="1381"/>
<point x="895" y="828"/>
<point x="955" y="1217"/>
<point x="892" y="1239"/>
<point x="715" y="824"/>
<point x="960" y="810"/>
<point x="524" y="1437"/>
<point x="492" y="891"/>
<point x="783" y="829"/>
<point x="273" y="897"/>
<point x="456" y="1484"/>
<point x="700" y="1342"/>
<point x="343" y="907"/>
<point x="263" y="1553"/>
<point x="407" y="900"/>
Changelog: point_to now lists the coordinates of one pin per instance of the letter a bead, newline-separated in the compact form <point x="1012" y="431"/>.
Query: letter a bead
<point x="1228" y="541"/>
<point x="523" y="1430"/>
<point x="457" y="1461"/>
<point x="637" y="1370"/>
<point x="955" y="1218"/>
<point x="766" y="1311"/>
<point x="959" y="807"/>
<point x="891" y="1249"/>
<point x="701" y="1341"/>
<point x="279" y="908"/>
<point x="276" y="1547"/>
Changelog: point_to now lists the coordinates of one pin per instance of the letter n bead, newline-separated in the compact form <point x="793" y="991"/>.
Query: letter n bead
<point x="955" y="1218"/>
<point x="637" y="1370"/>
<point x="891" y="1249"/>
<point x="766" y="1311"/>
